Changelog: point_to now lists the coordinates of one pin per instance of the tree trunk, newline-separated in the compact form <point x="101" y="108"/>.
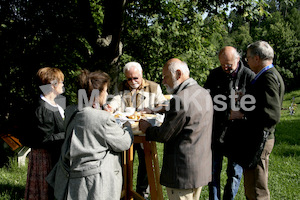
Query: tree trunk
<point x="107" y="47"/>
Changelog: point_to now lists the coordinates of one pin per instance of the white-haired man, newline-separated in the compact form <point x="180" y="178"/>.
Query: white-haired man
<point x="136" y="91"/>
<point x="143" y="95"/>
<point x="186" y="133"/>
<point x="268" y="89"/>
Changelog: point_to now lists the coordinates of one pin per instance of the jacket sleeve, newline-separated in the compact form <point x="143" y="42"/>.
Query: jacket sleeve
<point x="117" y="138"/>
<point x="115" y="103"/>
<point x="174" y="121"/>
<point x="272" y="98"/>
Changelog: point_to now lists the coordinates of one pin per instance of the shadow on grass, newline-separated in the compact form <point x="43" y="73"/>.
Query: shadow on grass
<point x="13" y="192"/>
<point x="288" y="132"/>
<point x="286" y="150"/>
<point x="287" y="138"/>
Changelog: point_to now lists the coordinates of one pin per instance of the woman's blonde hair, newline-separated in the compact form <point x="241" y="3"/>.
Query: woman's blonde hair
<point x="49" y="75"/>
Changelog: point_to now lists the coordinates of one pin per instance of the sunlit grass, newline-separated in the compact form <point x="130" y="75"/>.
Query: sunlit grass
<point x="12" y="181"/>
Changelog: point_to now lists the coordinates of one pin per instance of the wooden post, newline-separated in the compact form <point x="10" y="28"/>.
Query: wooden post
<point x="152" y="166"/>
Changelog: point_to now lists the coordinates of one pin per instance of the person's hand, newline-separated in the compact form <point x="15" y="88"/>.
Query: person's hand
<point x="108" y="108"/>
<point x="147" y="111"/>
<point x="160" y="108"/>
<point x="236" y="115"/>
<point x="127" y="124"/>
<point x="143" y="125"/>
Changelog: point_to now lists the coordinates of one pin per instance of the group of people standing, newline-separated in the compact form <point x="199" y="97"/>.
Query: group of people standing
<point x="265" y="84"/>
<point x="76" y="152"/>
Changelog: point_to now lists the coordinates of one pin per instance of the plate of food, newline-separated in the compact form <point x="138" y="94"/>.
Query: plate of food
<point x="133" y="119"/>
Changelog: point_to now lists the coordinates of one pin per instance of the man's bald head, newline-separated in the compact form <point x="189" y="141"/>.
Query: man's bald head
<point x="229" y="59"/>
<point x="175" y="72"/>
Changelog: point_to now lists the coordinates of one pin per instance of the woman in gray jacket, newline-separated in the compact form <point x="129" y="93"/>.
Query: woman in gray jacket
<point x="90" y="162"/>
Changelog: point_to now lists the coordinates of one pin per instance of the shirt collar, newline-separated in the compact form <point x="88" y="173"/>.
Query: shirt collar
<point x="233" y="74"/>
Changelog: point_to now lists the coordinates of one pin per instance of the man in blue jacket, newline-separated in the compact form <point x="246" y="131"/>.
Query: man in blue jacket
<point x="268" y="89"/>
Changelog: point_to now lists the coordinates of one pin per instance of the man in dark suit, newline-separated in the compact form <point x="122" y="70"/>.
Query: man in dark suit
<point x="231" y="76"/>
<point x="268" y="89"/>
<point x="186" y="134"/>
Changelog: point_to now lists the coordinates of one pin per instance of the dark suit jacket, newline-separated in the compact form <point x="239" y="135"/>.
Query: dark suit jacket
<point x="46" y="129"/>
<point x="186" y="134"/>
<point x="268" y="91"/>
<point x="221" y="83"/>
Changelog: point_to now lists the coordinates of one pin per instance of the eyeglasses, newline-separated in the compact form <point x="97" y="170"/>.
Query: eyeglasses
<point x="134" y="78"/>
<point x="247" y="58"/>
<point x="227" y="65"/>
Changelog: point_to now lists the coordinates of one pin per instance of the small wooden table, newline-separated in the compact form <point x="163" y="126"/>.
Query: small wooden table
<point x="152" y="166"/>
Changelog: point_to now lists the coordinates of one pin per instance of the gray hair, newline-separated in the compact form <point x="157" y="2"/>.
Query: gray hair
<point x="261" y="49"/>
<point x="182" y="66"/>
<point x="129" y="65"/>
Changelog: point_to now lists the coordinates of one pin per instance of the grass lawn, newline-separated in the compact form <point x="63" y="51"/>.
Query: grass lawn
<point x="284" y="168"/>
<point x="12" y="181"/>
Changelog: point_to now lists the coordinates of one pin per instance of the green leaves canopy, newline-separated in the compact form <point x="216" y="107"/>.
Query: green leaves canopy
<point x="105" y="34"/>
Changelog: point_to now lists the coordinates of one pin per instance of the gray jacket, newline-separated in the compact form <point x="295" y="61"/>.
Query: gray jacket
<point x="89" y="166"/>
<point x="186" y="133"/>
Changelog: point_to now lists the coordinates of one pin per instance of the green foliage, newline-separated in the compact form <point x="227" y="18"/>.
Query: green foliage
<point x="278" y="32"/>
<point x="97" y="13"/>
<point x="251" y="10"/>
<point x="215" y="32"/>
<point x="33" y="35"/>
<point x="241" y="37"/>
<point x="63" y="34"/>
<point x="280" y="29"/>
<point x="293" y="18"/>
<point x="175" y="30"/>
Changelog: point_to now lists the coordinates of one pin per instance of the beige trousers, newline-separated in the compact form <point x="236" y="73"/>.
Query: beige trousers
<point x="256" y="180"/>
<point x="184" y="194"/>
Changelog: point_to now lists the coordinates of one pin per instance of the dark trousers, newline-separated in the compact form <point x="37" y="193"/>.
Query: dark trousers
<point x="234" y="176"/>
<point x="142" y="178"/>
